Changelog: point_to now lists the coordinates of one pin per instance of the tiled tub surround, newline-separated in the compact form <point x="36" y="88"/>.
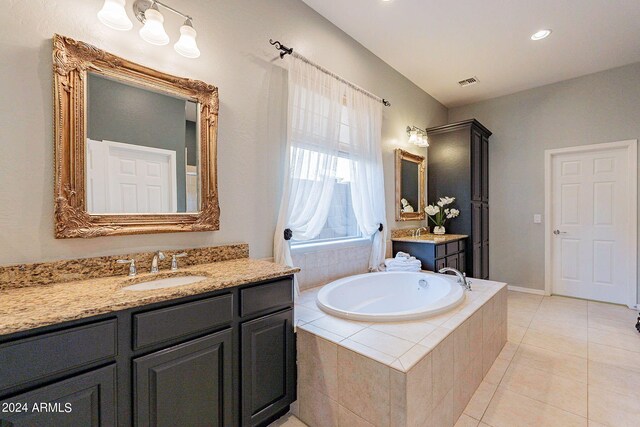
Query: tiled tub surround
<point x="29" y="307"/>
<point x="419" y="373"/>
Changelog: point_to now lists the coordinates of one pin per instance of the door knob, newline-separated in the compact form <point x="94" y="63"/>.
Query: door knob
<point x="556" y="232"/>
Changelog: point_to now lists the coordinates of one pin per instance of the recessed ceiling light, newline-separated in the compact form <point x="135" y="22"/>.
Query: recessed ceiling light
<point x="539" y="35"/>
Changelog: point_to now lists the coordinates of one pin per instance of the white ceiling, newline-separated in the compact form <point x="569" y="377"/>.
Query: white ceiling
<point x="436" y="43"/>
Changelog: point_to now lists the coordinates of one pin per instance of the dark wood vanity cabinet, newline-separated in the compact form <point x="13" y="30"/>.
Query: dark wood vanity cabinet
<point x="458" y="166"/>
<point x="435" y="256"/>
<point x="224" y="358"/>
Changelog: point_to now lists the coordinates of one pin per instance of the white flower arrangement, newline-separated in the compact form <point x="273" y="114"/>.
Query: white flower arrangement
<point x="439" y="213"/>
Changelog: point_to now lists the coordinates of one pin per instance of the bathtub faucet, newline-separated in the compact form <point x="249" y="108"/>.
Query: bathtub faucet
<point x="462" y="277"/>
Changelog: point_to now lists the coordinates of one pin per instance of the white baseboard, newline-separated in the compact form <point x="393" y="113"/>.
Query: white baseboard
<point x="525" y="290"/>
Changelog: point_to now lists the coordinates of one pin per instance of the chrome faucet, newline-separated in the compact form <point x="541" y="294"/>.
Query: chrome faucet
<point x="462" y="277"/>
<point x="159" y="256"/>
<point x="132" y="266"/>
<point x="174" y="260"/>
<point x="418" y="232"/>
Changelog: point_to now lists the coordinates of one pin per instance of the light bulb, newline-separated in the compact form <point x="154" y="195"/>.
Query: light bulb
<point x="113" y="15"/>
<point x="187" y="46"/>
<point x="413" y="136"/>
<point x="153" y="31"/>
<point x="539" y="35"/>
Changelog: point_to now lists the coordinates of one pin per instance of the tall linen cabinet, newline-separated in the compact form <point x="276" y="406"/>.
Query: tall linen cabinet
<point x="458" y="166"/>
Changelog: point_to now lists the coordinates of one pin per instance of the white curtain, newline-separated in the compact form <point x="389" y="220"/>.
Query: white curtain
<point x="367" y="183"/>
<point x="316" y="103"/>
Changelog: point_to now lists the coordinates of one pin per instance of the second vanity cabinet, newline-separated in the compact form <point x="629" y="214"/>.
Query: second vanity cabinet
<point x="223" y="358"/>
<point x="434" y="256"/>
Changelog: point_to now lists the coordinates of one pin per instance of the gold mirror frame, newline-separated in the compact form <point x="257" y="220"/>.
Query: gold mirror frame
<point x="414" y="158"/>
<point x="71" y="61"/>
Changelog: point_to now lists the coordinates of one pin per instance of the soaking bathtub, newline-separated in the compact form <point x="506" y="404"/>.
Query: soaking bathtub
<point x="390" y="296"/>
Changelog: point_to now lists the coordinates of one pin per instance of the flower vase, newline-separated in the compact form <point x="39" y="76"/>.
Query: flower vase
<point x="439" y="229"/>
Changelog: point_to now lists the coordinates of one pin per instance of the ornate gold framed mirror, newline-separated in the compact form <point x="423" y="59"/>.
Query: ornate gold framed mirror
<point x="135" y="148"/>
<point x="410" y="176"/>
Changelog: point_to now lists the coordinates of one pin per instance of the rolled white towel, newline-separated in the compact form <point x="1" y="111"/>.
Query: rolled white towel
<point x="402" y="262"/>
<point x="401" y="254"/>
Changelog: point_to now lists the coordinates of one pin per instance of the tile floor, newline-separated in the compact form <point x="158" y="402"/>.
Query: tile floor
<point x="568" y="362"/>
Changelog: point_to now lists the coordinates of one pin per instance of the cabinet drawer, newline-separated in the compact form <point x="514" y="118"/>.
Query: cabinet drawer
<point x="263" y="297"/>
<point x="452" y="248"/>
<point x="441" y="251"/>
<point x="171" y="323"/>
<point x="461" y="245"/>
<point x="35" y="359"/>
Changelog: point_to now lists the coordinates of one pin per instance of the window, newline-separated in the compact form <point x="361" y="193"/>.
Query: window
<point x="341" y="222"/>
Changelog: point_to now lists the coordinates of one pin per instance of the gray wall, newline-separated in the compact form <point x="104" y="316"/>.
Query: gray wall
<point x="236" y="56"/>
<point x="601" y="107"/>
<point x="191" y="141"/>
<point x="122" y="113"/>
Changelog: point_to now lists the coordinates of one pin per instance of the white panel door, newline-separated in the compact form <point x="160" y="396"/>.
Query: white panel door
<point x="127" y="178"/>
<point x="590" y="223"/>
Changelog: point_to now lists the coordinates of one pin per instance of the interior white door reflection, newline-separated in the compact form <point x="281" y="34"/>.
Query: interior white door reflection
<point x="128" y="178"/>
<point x="590" y="222"/>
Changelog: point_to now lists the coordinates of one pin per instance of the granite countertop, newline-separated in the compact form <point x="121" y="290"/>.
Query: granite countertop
<point x="25" y="308"/>
<point x="431" y="238"/>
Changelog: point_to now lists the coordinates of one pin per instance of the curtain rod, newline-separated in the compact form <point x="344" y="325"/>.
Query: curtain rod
<point x="284" y="51"/>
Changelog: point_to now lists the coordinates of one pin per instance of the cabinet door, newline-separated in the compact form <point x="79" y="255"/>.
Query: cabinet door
<point x="485" y="223"/>
<point x="485" y="169"/>
<point x="477" y="261"/>
<point x="485" y="261"/>
<point x="476" y="223"/>
<point x="268" y="365"/>
<point x="185" y="385"/>
<point x="84" y="400"/>
<point x="462" y="262"/>
<point x="476" y="165"/>
<point x="452" y="261"/>
<point x="440" y="264"/>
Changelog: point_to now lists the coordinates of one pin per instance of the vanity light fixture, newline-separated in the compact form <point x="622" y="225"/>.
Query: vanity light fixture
<point x="114" y="15"/>
<point x="417" y="136"/>
<point x="187" y="46"/>
<point x="153" y="30"/>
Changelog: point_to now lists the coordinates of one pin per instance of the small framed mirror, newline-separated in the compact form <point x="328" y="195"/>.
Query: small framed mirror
<point x="135" y="148"/>
<point x="410" y="175"/>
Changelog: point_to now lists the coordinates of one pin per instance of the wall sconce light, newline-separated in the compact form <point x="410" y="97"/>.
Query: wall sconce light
<point x="113" y="14"/>
<point x="417" y="136"/>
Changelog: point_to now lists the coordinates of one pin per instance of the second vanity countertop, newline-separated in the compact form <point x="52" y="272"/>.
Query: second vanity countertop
<point x="36" y="306"/>
<point x="431" y="238"/>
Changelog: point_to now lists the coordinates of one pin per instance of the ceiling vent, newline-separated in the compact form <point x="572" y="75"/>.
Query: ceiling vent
<point x="468" y="82"/>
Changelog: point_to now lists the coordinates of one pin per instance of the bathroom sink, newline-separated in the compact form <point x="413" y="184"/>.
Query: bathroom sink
<point x="168" y="282"/>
